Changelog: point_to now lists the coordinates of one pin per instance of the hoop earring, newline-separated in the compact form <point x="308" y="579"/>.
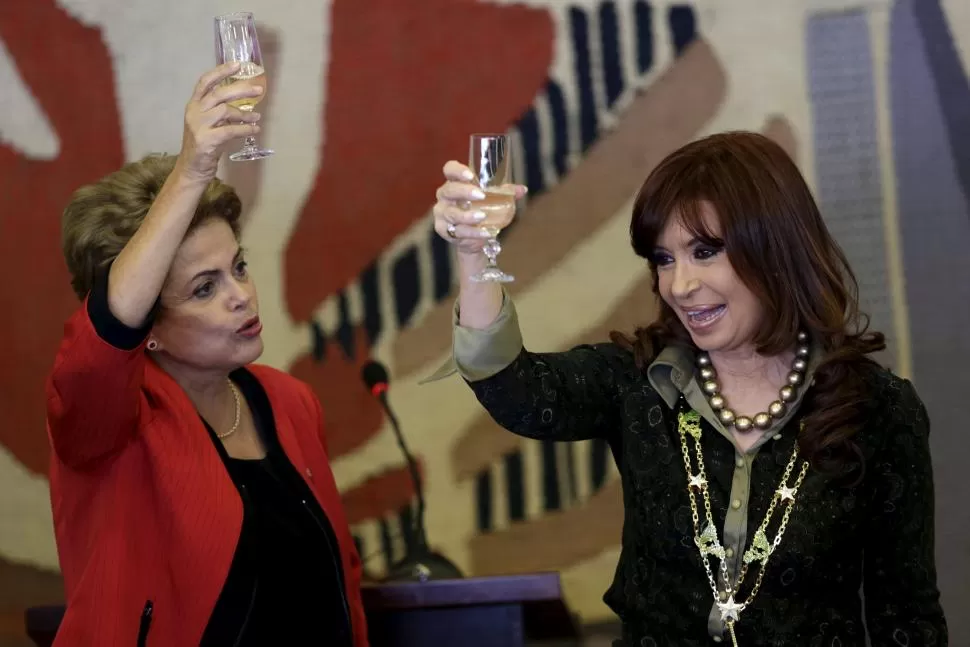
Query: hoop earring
<point x="152" y="345"/>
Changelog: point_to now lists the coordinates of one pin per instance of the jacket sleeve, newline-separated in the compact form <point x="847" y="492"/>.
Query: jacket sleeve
<point x="571" y="395"/>
<point x="901" y="594"/>
<point x="94" y="389"/>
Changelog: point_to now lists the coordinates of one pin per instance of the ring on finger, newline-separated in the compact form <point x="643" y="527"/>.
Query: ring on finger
<point x="451" y="229"/>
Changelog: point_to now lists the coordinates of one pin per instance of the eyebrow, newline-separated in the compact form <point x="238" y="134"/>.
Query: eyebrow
<point x="690" y="243"/>
<point x="696" y="240"/>
<point x="212" y="273"/>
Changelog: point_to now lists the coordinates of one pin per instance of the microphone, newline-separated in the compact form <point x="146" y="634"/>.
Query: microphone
<point x="420" y="562"/>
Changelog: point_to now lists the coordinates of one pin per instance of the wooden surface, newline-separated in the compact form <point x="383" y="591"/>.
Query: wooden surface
<point x="472" y="612"/>
<point x="473" y="625"/>
<point x="464" y="592"/>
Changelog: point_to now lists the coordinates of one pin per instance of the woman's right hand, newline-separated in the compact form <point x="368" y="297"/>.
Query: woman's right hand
<point x="455" y="217"/>
<point x="210" y="122"/>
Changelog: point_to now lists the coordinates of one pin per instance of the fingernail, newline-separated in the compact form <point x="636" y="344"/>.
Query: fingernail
<point x="257" y="116"/>
<point x="478" y="194"/>
<point x="467" y="175"/>
<point x="478" y="216"/>
<point x="258" y="89"/>
<point x="486" y="232"/>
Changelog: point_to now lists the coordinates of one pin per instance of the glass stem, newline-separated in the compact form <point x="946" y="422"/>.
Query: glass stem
<point x="250" y="142"/>
<point x="490" y="246"/>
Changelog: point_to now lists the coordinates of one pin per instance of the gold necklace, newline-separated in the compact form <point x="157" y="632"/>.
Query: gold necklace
<point x="689" y="423"/>
<point x="235" y="423"/>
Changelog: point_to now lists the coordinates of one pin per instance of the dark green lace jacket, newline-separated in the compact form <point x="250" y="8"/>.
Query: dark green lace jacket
<point x="877" y="534"/>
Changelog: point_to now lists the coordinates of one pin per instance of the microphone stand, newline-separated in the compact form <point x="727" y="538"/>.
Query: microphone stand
<point x="420" y="563"/>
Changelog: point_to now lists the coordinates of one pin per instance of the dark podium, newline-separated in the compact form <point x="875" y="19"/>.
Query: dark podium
<point x="470" y="612"/>
<point x="506" y="611"/>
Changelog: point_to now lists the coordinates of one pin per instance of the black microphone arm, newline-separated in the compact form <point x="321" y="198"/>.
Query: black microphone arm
<point x="420" y="562"/>
<point x="419" y="535"/>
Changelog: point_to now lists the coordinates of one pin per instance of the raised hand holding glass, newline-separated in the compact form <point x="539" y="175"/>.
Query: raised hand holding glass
<point x="237" y="42"/>
<point x="490" y="160"/>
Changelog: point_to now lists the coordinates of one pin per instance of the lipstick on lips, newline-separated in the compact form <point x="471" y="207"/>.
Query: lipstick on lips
<point x="251" y="328"/>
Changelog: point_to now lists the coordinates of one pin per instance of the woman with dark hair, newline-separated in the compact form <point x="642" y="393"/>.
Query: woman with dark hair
<point x="770" y="467"/>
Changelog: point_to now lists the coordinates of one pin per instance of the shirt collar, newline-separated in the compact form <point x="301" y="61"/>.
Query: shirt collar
<point x="673" y="369"/>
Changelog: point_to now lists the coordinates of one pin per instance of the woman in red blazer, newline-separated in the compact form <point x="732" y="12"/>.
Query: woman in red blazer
<point x="192" y="495"/>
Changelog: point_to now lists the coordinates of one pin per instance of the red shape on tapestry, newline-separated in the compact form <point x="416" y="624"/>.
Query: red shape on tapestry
<point x="406" y="84"/>
<point x="351" y="415"/>
<point x="383" y="494"/>
<point x="68" y="69"/>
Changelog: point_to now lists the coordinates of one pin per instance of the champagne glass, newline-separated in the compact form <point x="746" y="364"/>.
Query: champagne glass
<point x="236" y="42"/>
<point x="490" y="159"/>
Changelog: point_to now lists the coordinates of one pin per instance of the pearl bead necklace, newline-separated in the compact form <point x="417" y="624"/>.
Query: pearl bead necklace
<point x="776" y="409"/>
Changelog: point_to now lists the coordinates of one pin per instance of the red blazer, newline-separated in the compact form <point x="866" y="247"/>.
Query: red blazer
<point x="144" y="508"/>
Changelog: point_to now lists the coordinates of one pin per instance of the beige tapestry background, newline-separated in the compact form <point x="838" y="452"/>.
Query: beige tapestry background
<point x="367" y="99"/>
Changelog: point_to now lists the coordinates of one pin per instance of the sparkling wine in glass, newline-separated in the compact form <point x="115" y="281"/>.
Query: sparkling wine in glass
<point x="236" y="42"/>
<point x="490" y="159"/>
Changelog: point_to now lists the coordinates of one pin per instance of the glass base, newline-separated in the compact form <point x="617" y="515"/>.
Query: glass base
<point x="492" y="274"/>
<point x="249" y="154"/>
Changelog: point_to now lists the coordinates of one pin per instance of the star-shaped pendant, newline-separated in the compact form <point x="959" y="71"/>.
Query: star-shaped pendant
<point x="730" y="610"/>
<point x="697" y="480"/>
<point x="786" y="493"/>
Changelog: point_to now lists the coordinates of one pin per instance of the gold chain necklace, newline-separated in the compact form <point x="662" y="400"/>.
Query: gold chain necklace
<point x="238" y="404"/>
<point x="689" y="423"/>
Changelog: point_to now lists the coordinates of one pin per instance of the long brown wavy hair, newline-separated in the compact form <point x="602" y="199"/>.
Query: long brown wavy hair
<point x="778" y="244"/>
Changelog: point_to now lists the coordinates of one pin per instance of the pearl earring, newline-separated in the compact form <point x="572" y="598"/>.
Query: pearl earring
<point x="152" y="344"/>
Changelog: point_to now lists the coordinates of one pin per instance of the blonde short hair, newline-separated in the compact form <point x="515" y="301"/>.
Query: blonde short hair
<point x="102" y="217"/>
